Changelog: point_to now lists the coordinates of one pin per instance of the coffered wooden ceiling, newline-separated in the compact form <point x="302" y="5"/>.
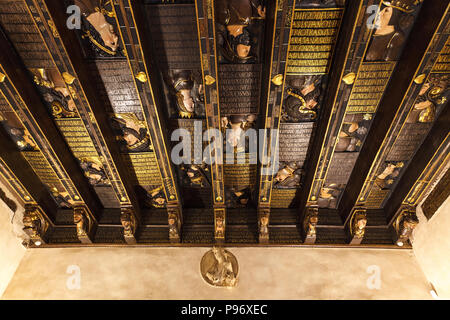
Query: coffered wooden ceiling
<point x="87" y="113"/>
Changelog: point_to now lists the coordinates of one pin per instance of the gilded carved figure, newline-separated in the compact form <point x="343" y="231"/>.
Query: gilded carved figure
<point x="131" y="132"/>
<point x="219" y="268"/>
<point x="288" y="176"/>
<point x="93" y="170"/>
<point x="388" y="175"/>
<point x="433" y="94"/>
<point x="329" y="195"/>
<point x="128" y="221"/>
<point x="235" y="38"/>
<point x="238" y="197"/>
<point x="219" y="226"/>
<point x="96" y="29"/>
<point x="234" y="127"/>
<point x="303" y="96"/>
<point x="33" y="224"/>
<point x="352" y="134"/>
<point x="188" y="94"/>
<point x="405" y="225"/>
<point x="57" y="95"/>
<point x="196" y="175"/>
<point x="263" y="224"/>
<point x="173" y="226"/>
<point x="20" y="136"/>
<point x="81" y="222"/>
<point x="156" y="198"/>
<point x="395" y="17"/>
<point x="358" y="224"/>
<point x="310" y="222"/>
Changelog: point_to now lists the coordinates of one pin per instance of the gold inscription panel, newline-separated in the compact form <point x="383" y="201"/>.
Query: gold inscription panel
<point x="369" y="87"/>
<point x="77" y="137"/>
<point x="312" y="40"/>
<point x="145" y="168"/>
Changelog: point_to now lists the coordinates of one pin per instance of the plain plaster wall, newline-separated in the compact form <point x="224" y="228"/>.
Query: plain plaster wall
<point x="432" y="248"/>
<point x="11" y="237"/>
<point x="174" y="273"/>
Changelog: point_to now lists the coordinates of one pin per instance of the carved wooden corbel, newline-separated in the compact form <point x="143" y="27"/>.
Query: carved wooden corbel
<point x="309" y="225"/>
<point x="129" y="223"/>
<point x="175" y="222"/>
<point x="404" y="225"/>
<point x="35" y="225"/>
<point x="263" y="224"/>
<point x="85" y="225"/>
<point x="357" y="226"/>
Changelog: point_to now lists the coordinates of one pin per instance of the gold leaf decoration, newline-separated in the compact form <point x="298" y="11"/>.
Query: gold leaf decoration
<point x="278" y="80"/>
<point x="419" y="79"/>
<point x="68" y="78"/>
<point x="2" y="77"/>
<point x="349" y="78"/>
<point x="142" y="77"/>
<point x="209" y="80"/>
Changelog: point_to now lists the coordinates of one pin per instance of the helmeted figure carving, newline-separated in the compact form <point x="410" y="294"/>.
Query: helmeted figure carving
<point x="188" y="94"/>
<point x="234" y="17"/>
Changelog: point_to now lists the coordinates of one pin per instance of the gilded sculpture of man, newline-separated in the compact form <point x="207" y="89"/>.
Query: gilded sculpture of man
<point x="132" y="133"/>
<point x="234" y="17"/>
<point x="221" y="272"/>
<point x="238" y="125"/>
<point x="100" y="33"/>
<point x="288" y="176"/>
<point x="389" y="36"/>
<point x="433" y="94"/>
<point x="188" y="94"/>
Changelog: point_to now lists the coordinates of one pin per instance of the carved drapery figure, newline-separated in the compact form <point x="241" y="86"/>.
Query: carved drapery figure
<point x="433" y="93"/>
<point x="393" y="20"/>
<point x="387" y="177"/>
<point x="310" y="222"/>
<point x="128" y="221"/>
<point x="303" y="99"/>
<point x="156" y="198"/>
<point x="18" y="134"/>
<point x="288" y="176"/>
<point x="131" y="132"/>
<point x="234" y="37"/>
<point x="351" y="136"/>
<point x="96" y="29"/>
<point x="57" y="96"/>
<point x="222" y="272"/>
<point x="238" y="197"/>
<point x="188" y="94"/>
<point x="196" y="175"/>
<point x="93" y="170"/>
<point x="329" y="195"/>
<point x="234" y="128"/>
<point x="358" y="224"/>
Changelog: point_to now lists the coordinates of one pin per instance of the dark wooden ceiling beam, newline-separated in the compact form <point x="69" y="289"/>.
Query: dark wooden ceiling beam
<point x="332" y="110"/>
<point x="34" y="115"/>
<point x="131" y="20"/>
<point x="432" y="155"/>
<point x="426" y="24"/>
<point x="120" y="177"/>
<point x="26" y="182"/>
<point x="208" y="53"/>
